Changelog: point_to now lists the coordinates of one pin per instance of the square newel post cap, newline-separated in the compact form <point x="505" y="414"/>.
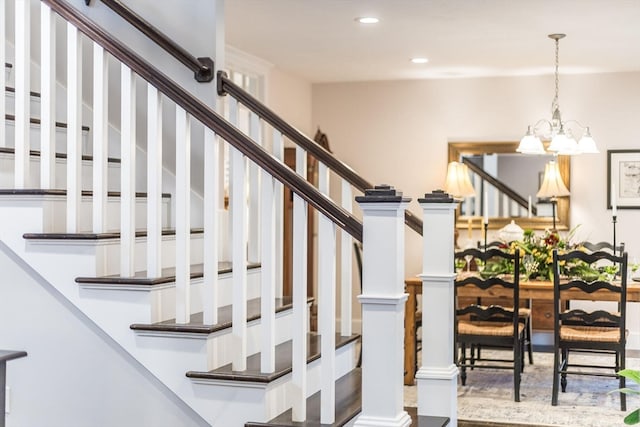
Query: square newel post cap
<point x="437" y="196"/>
<point x="382" y="194"/>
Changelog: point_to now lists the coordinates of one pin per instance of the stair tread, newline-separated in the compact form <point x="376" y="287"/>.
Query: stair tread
<point x="197" y="325"/>
<point x="63" y="192"/>
<point x="167" y="275"/>
<point x="36" y="121"/>
<point x="283" y="362"/>
<point x="97" y="236"/>
<point x="36" y="153"/>
<point x="348" y="405"/>
<point x="425" y="420"/>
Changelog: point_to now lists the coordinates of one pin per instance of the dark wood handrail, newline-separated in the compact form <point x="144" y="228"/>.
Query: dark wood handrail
<point x="501" y="186"/>
<point x="227" y="86"/>
<point x="201" y="67"/>
<point x="210" y="119"/>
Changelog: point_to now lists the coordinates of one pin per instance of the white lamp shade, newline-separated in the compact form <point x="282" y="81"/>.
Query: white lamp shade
<point x="458" y="183"/>
<point x="563" y="145"/>
<point x="530" y="144"/>
<point x="587" y="145"/>
<point x="552" y="184"/>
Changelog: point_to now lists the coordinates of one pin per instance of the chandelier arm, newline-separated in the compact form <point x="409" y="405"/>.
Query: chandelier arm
<point x="580" y="125"/>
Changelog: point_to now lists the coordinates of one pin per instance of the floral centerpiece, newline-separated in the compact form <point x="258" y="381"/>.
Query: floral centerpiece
<point x="536" y="252"/>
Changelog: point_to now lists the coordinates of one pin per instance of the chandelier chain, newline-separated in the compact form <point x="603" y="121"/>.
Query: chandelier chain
<point x="554" y="104"/>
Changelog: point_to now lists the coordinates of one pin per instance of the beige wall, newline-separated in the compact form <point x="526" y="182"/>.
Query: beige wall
<point x="397" y="133"/>
<point x="290" y="98"/>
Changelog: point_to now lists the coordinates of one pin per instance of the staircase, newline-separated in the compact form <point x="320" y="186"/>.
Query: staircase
<point x="156" y="314"/>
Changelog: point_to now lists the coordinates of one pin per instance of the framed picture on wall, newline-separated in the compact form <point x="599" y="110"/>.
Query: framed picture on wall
<point x="623" y="179"/>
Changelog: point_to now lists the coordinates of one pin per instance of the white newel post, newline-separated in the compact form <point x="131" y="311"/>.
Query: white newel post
<point x="437" y="378"/>
<point x="383" y="303"/>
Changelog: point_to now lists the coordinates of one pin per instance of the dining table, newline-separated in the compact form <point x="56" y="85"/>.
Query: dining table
<point x="529" y="289"/>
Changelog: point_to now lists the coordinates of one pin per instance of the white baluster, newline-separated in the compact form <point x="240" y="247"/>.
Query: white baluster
<point x="327" y="305"/>
<point x="22" y="72"/>
<point x="267" y="275"/>
<point x="74" y="127"/>
<point x="100" y="138"/>
<point x="154" y="182"/>
<point x="127" y="171"/>
<point x="238" y="215"/>
<point x="183" y="215"/>
<point x="300" y="319"/>
<point x="254" y="194"/>
<point x="47" y="97"/>
<point x="278" y="151"/>
<point x="211" y="228"/>
<point x="346" y="262"/>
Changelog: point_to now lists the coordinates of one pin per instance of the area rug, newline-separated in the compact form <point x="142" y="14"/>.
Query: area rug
<point x="488" y="396"/>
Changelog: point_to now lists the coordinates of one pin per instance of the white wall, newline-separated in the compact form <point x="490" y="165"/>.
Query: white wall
<point x="73" y="375"/>
<point x="397" y="132"/>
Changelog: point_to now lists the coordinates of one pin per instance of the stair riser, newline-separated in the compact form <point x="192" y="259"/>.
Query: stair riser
<point x="10" y="102"/>
<point x="204" y="353"/>
<point x="34" y="138"/>
<point x="54" y="211"/>
<point x="7" y="170"/>
<point x="263" y="404"/>
<point x="162" y="298"/>
<point x="105" y="255"/>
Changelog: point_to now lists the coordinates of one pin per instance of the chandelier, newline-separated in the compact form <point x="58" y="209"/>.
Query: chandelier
<point x="556" y="130"/>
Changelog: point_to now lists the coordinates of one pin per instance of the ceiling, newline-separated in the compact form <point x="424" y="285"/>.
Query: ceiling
<point x="318" y="40"/>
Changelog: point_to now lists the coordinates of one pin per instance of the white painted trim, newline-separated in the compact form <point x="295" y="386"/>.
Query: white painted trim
<point x="127" y="286"/>
<point x="402" y="420"/>
<point x="246" y="63"/>
<point x="431" y="373"/>
<point x="383" y="300"/>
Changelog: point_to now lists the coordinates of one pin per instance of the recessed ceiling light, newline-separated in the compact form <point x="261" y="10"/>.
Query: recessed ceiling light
<point x="419" y="60"/>
<point x="367" y="20"/>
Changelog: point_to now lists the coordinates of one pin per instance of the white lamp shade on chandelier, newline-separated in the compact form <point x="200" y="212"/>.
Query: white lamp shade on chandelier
<point x="458" y="184"/>
<point x="557" y="131"/>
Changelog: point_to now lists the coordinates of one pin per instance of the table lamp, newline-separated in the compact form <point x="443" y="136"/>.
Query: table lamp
<point x="552" y="186"/>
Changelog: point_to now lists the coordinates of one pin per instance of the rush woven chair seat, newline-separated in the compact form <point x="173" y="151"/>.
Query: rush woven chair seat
<point x="578" y="330"/>
<point x="496" y="325"/>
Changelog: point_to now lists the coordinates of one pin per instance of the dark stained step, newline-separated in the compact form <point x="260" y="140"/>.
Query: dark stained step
<point x="62" y="192"/>
<point x="348" y="405"/>
<point x="36" y="121"/>
<point x="97" y="236"/>
<point x="283" y="362"/>
<point x="36" y="153"/>
<point x="427" y="421"/>
<point x="13" y="90"/>
<point x="197" y="326"/>
<point x="168" y="275"/>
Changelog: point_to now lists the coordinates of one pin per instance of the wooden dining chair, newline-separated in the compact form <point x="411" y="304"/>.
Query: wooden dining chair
<point x="600" y="246"/>
<point x="578" y="330"/>
<point x="497" y="325"/>
<point x="524" y="312"/>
